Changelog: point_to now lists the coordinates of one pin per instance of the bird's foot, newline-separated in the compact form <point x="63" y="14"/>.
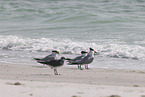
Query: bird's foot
<point x="57" y="74"/>
<point x="86" y="67"/>
<point x="78" y="67"/>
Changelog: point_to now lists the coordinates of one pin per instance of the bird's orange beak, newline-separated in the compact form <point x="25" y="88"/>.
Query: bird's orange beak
<point x="95" y="52"/>
<point x="57" y="52"/>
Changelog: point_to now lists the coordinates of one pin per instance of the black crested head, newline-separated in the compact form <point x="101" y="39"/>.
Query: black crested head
<point x="62" y="57"/>
<point x="91" y="49"/>
<point x="83" y="52"/>
<point x="56" y="51"/>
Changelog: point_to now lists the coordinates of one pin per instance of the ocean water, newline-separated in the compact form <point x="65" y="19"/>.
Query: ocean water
<point x="33" y="28"/>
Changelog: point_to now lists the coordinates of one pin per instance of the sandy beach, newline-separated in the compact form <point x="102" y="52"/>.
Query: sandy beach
<point x="39" y="81"/>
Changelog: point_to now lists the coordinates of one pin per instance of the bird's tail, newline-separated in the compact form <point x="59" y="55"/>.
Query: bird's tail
<point x="43" y="62"/>
<point x="72" y="63"/>
<point x="36" y="58"/>
<point x="68" y="59"/>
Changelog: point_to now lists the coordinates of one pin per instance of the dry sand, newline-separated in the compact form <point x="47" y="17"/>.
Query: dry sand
<point x="39" y="81"/>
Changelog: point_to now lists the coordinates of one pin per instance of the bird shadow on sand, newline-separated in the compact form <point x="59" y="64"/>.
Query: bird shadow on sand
<point x="80" y="69"/>
<point x="73" y="68"/>
<point x="45" y="74"/>
<point x="41" y="74"/>
<point x="40" y="66"/>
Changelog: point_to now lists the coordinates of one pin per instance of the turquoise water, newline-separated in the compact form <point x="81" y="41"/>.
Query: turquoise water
<point x="115" y="29"/>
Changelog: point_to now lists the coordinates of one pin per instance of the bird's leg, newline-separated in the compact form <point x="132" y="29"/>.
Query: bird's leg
<point x="86" y="67"/>
<point x="81" y="68"/>
<point x="78" y="66"/>
<point x="55" y="71"/>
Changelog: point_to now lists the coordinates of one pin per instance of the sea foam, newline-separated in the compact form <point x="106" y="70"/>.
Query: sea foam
<point x="67" y="46"/>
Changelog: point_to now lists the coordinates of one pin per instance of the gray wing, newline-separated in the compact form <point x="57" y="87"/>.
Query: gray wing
<point x="54" y="63"/>
<point x="49" y="57"/>
<point x="86" y="60"/>
<point x="76" y="59"/>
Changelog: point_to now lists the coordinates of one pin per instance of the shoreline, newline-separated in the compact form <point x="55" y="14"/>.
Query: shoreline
<point x="94" y="76"/>
<point x="94" y="81"/>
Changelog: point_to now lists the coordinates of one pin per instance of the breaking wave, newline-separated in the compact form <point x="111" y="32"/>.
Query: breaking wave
<point x="67" y="46"/>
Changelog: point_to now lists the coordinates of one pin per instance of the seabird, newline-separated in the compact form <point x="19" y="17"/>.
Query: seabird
<point x="53" y="63"/>
<point x="83" y="54"/>
<point x="87" y="59"/>
<point x="49" y="57"/>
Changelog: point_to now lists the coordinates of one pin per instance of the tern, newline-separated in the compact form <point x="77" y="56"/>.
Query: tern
<point x="83" y="54"/>
<point x="53" y="63"/>
<point x="86" y="60"/>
